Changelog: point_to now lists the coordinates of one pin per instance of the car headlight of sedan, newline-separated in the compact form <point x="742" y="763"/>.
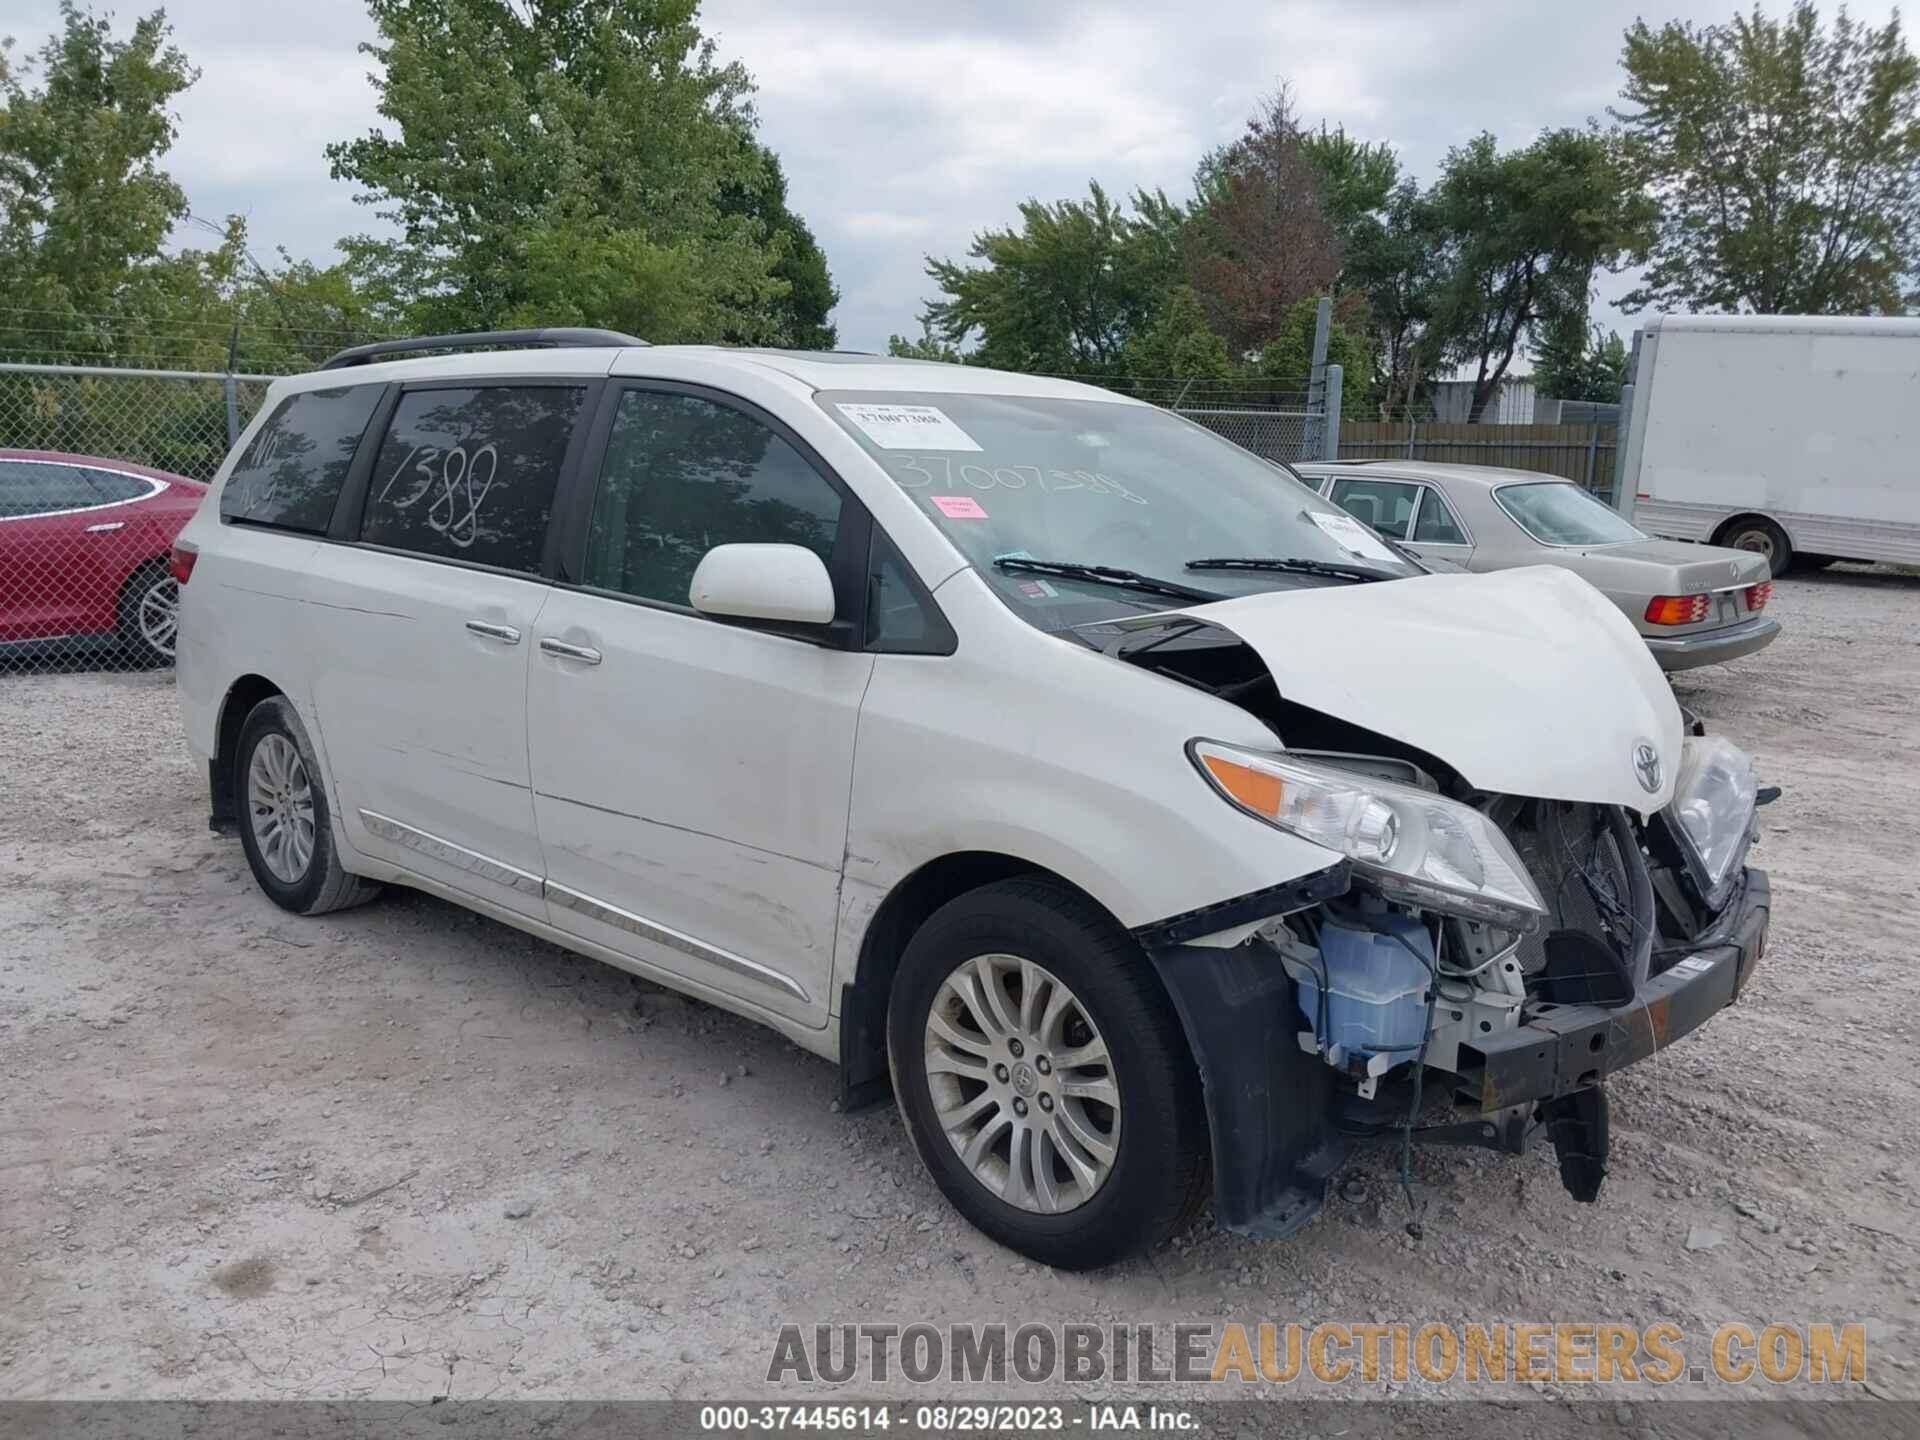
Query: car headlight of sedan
<point x="1712" y="811"/>
<point x="1418" y="849"/>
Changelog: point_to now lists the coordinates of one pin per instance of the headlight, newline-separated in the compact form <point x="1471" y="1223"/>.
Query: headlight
<point x="1713" y="799"/>
<point x="1418" y="849"/>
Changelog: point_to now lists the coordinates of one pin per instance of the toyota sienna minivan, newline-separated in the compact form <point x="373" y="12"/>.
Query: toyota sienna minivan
<point x="1146" y="825"/>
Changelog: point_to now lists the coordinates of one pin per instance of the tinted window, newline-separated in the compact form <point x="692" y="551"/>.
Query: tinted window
<point x="110" y="487"/>
<point x="35" y="488"/>
<point x="1436" y="524"/>
<point x="683" y="475"/>
<point x="294" y="466"/>
<point x="897" y="619"/>
<point x="1384" y="504"/>
<point x="469" y="474"/>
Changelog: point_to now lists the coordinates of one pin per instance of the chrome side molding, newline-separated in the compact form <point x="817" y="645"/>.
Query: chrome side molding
<point x="448" y="853"/>
<point x="514" y="878"/>
<point x="661" y="935"/>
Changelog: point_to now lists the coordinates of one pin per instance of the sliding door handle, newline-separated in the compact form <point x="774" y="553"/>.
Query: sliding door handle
<point x="506" y="634"/>
<point x="585" y="654"/>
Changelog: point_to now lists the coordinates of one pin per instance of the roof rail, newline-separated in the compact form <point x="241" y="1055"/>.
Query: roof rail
<point x="549" y="338"/>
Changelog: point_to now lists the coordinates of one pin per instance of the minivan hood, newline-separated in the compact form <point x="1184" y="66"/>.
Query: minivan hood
<point x="1527" y="682"/>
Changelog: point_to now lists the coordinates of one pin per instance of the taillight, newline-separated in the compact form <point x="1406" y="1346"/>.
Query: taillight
<point x="1758" y="595"/>
<point x="1679" y="609"/>
<point x="180" y="563"/>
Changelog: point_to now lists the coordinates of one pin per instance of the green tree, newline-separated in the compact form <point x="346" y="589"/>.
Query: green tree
<point x="559" y="162"/>
<point x="1289" y="355"/>
<point x="1786" y="157"/>
<point x="1067" y="291"/>
<point x="87" y="205"/>
<point x="1177" y="343"/>
<point x="1394" y="260"/>
<point x="928" y="347"/>
<point x="1574" y="359"/>
<point x="801" y="316"/>
<point x="1522" y="234"/>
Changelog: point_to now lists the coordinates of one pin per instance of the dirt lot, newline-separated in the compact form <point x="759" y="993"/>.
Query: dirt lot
<point x="403" y="1151"/>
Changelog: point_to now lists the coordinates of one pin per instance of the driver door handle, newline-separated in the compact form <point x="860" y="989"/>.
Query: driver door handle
<point x="585" y="654"/>
<point x="504" y="633"/>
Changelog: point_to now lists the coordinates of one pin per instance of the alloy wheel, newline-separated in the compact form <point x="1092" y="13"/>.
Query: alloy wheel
<point x="159" y="615"/>
<point x="1022" y="1083"/>
<point x="280" y="808"/>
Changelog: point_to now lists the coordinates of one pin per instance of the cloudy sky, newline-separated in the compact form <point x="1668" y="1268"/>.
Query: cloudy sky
<point x="907" y="126"/>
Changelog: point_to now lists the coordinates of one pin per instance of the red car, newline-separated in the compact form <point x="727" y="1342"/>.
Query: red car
<point x="84" y="544"/>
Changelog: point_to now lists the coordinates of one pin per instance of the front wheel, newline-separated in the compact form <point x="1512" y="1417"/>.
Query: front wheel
<point x="1044" y="1078"/>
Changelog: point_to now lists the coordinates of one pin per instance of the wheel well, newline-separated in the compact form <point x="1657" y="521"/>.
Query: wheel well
<point x="245" y="693"/>
<point x="1730" y="524"/>
<point x="126" y="585"/>
<point x="863" y="1002"/>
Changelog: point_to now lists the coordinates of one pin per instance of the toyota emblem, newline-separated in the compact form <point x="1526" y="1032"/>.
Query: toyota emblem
<point x="1646" y="765"/>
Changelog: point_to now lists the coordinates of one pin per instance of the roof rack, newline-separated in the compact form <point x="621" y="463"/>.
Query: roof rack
<point x="550" y="338"/>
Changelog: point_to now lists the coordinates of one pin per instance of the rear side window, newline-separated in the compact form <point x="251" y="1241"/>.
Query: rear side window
<point x="110" y="487"/>
<point x="293" y="468"/>
<point x="31" y="487"/>
<point x="1436" y="524"/>
<point x="683" y="475"/>
<point x="469" y="474"/>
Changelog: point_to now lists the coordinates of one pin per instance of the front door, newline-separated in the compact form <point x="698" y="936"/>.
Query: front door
<point x="691" y="775"/>
<point x="422" y="632"/>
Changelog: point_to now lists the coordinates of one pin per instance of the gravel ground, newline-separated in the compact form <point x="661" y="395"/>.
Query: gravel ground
<point x="404" y="1151"/>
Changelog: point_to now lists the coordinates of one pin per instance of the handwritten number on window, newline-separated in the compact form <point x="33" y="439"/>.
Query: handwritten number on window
<point x="459" y="482"/>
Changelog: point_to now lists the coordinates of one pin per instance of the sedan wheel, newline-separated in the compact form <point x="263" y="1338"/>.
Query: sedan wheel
<point x="150" y="614"/>
<point x="160" y="616"/>
<point x="1022" y="1083"/>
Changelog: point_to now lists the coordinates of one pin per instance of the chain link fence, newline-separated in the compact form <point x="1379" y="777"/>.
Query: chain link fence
<point x="100" y="467"/>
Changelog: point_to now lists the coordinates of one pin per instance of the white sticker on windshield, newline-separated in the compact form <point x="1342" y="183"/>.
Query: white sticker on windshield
<point x="1353" y="537"/>
<point x="908" y="427"/>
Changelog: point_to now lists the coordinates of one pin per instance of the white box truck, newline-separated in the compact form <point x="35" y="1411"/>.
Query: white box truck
<point x="1794" y="435"/>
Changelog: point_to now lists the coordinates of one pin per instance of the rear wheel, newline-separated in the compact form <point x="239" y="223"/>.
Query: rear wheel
<point x="284" y="824"/>
<point x="1761" y="535"/>
<point x="1044" y="1078"/>
<point x="149" y="616"/>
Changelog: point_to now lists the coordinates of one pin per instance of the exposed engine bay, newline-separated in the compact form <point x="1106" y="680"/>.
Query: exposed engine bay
<point x="1409" y="995"/>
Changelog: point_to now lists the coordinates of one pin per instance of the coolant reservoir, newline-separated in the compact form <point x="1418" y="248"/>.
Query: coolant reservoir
<point x="1376" y="985"/>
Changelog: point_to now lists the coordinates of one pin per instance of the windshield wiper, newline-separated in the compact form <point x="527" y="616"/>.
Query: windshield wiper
<point x="1331" y="569"/>
<point x="1104" y="575"/>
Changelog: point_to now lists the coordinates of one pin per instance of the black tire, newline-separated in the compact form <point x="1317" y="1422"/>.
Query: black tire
<point x="1160" y="1172"/>
<point x="324" y="884"/>
<point x="134" y="640"/>
<point x="1757" y="533"/>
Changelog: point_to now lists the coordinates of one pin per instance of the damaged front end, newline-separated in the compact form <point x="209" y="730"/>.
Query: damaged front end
<point x="1494" y="955"/>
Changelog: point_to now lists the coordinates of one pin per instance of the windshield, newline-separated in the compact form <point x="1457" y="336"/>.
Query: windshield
<point x="1024" y="479"/>
<point x="1555" y="513"/>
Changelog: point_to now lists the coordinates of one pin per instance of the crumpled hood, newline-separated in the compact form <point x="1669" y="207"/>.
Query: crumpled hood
<point x="1528" y="682"/>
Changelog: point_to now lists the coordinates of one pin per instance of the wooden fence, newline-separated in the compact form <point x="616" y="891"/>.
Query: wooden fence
<point x="1581" y="453"/>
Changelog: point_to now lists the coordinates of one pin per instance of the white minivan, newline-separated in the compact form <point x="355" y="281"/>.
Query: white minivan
<point x="1143" y="822"/>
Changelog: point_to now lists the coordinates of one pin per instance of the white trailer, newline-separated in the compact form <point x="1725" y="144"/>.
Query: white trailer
<point x="1794" y="435"/>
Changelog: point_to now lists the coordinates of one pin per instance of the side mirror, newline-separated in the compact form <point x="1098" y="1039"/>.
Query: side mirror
<point x="763" y="582"/>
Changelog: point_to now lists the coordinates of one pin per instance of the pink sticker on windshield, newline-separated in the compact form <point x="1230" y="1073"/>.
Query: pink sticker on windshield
<point x="959" y="507"/>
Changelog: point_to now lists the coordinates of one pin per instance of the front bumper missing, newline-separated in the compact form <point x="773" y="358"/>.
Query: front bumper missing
<point x="1272" y="1111"/>
<point x="1562" y="1049"/>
